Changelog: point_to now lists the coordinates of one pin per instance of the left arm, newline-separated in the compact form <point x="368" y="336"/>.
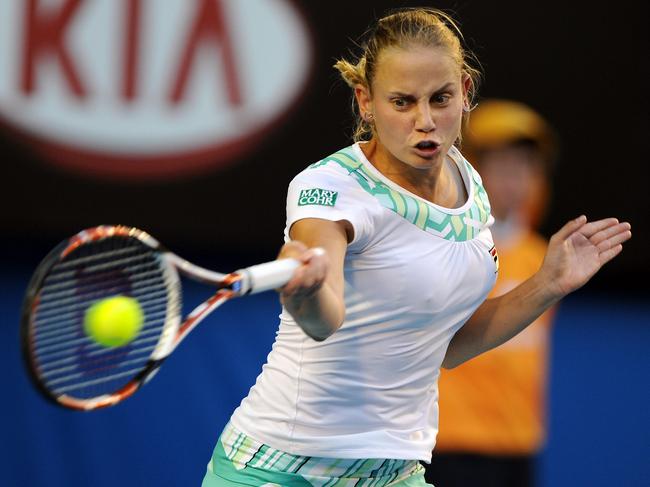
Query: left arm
<point x="575" y="253"/>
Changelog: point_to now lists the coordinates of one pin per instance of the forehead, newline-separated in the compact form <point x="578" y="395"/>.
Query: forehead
<point x="415" y="68"/>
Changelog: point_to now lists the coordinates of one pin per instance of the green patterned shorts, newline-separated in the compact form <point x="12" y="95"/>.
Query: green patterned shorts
<point x="239" y="460"/>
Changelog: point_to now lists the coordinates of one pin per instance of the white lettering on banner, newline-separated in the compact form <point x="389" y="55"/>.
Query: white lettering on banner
<point x="116" y="87"/>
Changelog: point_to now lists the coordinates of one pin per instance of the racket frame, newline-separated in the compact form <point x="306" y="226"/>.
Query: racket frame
<point x="173" y="331"/>
<point x="250" y="280"/>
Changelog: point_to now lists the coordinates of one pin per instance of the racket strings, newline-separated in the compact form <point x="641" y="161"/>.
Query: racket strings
<point x="58" y="366"/>
<point x="69" y="330"/>
<point x="66" y="359"/>
<point x="61" y="286"/>
<point x="52" y="308"/>
<point x="51" y="349"/>
<point x="59" y="324"/>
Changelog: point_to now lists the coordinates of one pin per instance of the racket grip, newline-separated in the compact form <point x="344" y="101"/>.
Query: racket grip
<point x="271" y="275"/>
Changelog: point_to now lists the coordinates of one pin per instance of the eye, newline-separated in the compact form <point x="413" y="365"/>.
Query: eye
<point x="401" y="102"/>
<point x="441" y="98"/>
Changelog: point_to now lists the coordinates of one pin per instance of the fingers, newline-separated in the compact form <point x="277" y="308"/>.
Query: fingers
<point x="606" y="230"/>
<point x="570" y="227"/>
<point x="591" y="228"/>
<point x="607" y="235"/>
<point x="609" y="254"/>
<point x="310" y="276"/>
<point x="611" y="236"/>
<point x="294" y="250"/>
<point x="298" y="250"/>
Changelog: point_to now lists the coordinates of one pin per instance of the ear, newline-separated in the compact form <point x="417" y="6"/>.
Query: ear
<point x="364" y="100"/>
<point x="466" y="83"/>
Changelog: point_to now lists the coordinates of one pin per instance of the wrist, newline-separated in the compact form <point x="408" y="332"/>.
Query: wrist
<point x="548" y="288"/>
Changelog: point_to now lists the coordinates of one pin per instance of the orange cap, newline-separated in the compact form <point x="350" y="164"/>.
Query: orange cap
<point x="496" y="122"/>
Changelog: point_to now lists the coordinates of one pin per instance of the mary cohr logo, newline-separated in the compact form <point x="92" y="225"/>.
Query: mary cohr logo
<point x="317" y="196"/>
<point x="145" y="89"/>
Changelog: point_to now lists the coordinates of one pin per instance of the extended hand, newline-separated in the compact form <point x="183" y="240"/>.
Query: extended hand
<point x="579" y="249"/>
<point x="310" y="276"/>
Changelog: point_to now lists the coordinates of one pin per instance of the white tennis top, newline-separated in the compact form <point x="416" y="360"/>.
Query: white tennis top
<point x="414" y="273"/>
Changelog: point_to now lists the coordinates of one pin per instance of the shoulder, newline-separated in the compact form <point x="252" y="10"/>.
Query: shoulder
<point x="331" y="189"/>
<point x="336" y="172"/>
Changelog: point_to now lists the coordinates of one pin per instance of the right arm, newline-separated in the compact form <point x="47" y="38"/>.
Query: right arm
<point x="314" y="295"/>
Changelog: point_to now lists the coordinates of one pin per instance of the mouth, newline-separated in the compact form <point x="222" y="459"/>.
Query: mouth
<point x="427" y="147"/>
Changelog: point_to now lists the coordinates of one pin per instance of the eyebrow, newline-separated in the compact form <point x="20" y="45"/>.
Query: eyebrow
<point x="445" y="87"/>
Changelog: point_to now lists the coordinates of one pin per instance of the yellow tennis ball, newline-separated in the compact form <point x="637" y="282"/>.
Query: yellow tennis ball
<point x="114" y="322"/>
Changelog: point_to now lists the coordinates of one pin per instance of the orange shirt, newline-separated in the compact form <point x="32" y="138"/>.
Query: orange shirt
<point x="494" y="403"/>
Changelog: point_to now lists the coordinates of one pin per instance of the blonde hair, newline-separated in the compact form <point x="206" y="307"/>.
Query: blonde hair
<point x="400" y="28"/>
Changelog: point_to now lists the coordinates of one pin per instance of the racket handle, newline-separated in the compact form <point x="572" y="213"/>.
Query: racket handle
<point x="271" y="275"/>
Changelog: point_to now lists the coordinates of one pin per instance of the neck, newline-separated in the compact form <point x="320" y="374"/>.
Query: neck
<point x="439" y="183"/>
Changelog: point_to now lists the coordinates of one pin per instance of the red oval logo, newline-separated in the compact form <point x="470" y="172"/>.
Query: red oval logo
<point x="124" y="87"/>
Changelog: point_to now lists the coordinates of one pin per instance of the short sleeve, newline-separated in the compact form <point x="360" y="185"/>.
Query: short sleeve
<point x="330" y="193"/>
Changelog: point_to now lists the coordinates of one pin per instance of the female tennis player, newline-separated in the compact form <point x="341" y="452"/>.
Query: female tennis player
<point x="349" y="395"/>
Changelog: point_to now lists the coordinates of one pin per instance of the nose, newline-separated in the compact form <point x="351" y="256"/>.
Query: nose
<point x="424" y="122"/>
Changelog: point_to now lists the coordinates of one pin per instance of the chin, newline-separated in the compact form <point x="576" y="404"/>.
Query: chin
<point x="425" y="162"/>
<point x="422" y="165"/>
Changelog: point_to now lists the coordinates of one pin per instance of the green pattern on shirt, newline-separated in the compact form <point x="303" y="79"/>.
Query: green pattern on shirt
<point x="432" y="219"/>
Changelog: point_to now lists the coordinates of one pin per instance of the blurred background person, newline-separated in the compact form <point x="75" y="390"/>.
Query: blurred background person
<point x="492" y="408"/>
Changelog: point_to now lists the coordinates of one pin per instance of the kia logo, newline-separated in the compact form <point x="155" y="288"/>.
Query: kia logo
<point x="149" y="89"/>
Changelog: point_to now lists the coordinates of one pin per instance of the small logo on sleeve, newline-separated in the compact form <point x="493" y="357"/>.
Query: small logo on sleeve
<point x="317" y="196"/>
<point x="495" y="256"/>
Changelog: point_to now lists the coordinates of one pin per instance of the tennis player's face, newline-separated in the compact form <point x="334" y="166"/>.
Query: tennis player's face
<point x="417" y="103"/>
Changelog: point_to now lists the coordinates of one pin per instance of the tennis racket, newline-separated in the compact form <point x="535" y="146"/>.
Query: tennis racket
<point x="70" y="368"/>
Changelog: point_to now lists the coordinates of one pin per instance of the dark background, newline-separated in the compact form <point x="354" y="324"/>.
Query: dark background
<point x="581" y="64"/>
